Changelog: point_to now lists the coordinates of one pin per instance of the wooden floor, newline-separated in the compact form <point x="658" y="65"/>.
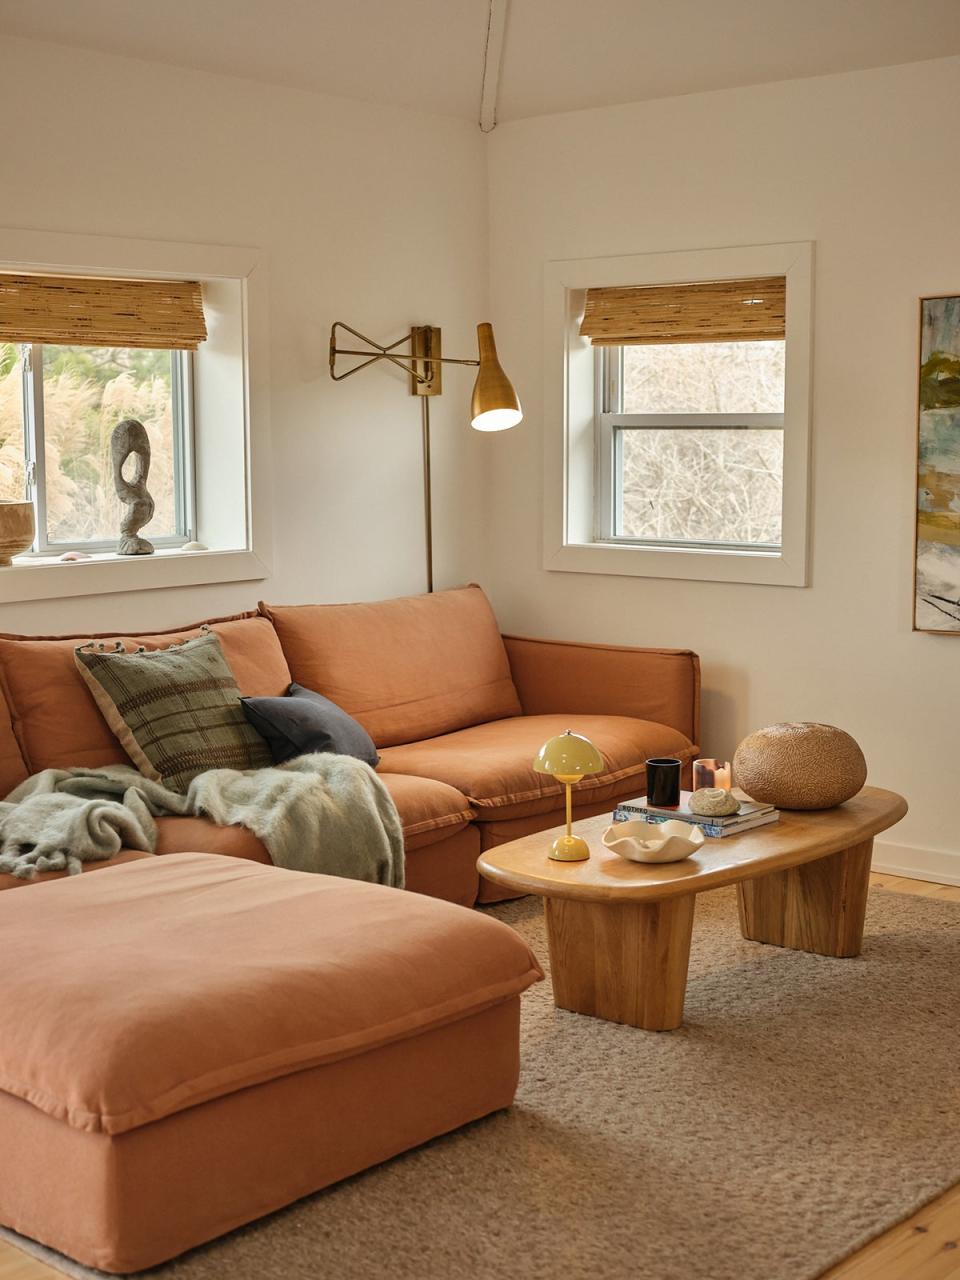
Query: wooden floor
<point x="924" y="1247"/>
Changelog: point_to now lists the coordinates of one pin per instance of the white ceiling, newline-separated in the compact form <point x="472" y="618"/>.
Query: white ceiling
<point x="560" y="55"/>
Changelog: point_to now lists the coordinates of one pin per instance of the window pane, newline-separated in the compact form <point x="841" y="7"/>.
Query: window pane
<point x="12" y="470"/>
<point x="701" y="485"/>
<point x="86" y="392"/>
<point x="708" y="377"/>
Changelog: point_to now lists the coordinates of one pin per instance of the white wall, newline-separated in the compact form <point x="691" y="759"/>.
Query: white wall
<point x="359" y="221"/>
<point x="862" y="165"/>
<point x="364" y="214"/>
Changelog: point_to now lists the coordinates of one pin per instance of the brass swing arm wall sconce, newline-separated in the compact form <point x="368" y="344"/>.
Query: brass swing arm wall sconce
<point x="495" y="405"/>
<point x="423" y="361"/>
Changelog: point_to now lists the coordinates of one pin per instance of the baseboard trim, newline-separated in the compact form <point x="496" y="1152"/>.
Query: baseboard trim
<point x="938" y="865"/>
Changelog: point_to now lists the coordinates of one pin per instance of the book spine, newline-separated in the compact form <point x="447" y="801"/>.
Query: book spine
<point x="628" y="815"/>
<point x="727" y="820"/>
<point x="708" y="828"/>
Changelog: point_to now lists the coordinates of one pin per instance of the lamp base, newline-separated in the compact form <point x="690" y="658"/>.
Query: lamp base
<point x="569" y="849"/>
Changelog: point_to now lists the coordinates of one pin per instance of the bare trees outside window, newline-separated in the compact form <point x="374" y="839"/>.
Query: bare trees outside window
<point x="693" y="433"/>
<point x="58" y="408"/>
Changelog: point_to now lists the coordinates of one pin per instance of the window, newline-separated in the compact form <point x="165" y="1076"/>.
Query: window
<point x="690" y="428"/>
<point x="690" y="443"/>
<point x="172" y="333"/>
<point x="59" y="405"/>
<point x="677" y="414"/>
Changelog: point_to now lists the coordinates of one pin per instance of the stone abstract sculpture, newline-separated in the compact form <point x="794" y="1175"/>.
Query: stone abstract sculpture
<point x="713" y="802"/>
<point x="800" y="766"/>
<point x="130" y="439"/>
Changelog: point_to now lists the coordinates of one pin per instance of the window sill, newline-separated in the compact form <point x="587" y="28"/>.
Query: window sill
<point x="769" y="568"/>
<point x="37" y="578"/>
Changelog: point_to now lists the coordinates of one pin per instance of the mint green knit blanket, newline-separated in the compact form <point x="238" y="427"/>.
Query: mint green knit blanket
<point x="321" y="813"/>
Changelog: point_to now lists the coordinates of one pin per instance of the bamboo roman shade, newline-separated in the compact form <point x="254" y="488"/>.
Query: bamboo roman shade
<point x="718" y="311"/>
<point x="81" y="311"/>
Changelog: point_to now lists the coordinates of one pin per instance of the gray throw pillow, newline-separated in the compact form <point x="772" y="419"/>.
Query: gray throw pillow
<point x="304" y="722"/>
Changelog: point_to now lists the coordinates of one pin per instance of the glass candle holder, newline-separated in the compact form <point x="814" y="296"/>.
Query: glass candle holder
<point x="712" y="773"/>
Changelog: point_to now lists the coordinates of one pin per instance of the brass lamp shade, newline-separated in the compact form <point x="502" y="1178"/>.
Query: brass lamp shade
<point x="495" y="405"/>
<point x="568" y="757"/>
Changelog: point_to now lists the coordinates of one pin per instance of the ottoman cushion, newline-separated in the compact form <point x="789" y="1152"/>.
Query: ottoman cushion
<point x="223" y="1037"/>
<point x="168" y="982"/>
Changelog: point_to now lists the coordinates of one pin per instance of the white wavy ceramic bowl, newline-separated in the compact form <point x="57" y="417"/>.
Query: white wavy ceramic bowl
<point x="651" y="842"/>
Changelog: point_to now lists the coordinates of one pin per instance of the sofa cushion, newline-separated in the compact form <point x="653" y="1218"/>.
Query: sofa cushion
<point x="441" y="852"/>
<point x="407" y="669"/>
<point x="492" y="764"/>
<point x="429" y="811"/>
<point x="125" y="855"/>
<point x="447" y="866"/>
<point x="13" y="769"/>
<point x="201" y="835"/>
<point x="303" y="722"/>
<point x="55" y="718"/>
<point x="233" y="974"/>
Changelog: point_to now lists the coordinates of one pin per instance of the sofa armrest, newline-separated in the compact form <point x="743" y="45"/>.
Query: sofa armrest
<point x="557" y="676"/>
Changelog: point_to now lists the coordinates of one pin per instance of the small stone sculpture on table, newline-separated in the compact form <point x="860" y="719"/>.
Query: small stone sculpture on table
<point x="713" y="802"/>
<point x="130" y="439"/>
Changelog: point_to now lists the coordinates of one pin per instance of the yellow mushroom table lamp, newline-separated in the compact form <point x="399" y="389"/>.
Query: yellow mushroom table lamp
<point x="568" y="758"/>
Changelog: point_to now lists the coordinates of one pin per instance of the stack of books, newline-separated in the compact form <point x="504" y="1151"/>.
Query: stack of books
<point x="750" y="815"/>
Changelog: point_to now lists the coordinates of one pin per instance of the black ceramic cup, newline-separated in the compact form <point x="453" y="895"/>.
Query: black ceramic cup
<point x="663" y="782"/>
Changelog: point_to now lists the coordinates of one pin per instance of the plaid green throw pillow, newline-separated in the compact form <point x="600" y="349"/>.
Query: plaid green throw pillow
<point x="176" y="711"/>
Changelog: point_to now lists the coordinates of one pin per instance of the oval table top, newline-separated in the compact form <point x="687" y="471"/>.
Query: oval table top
<point x="798" y="837"/>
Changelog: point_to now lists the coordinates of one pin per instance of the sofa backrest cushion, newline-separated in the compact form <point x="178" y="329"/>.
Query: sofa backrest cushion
<point x="406" y="669"/>
<point x="13" y="770"/>
<point x="57" y="722"/>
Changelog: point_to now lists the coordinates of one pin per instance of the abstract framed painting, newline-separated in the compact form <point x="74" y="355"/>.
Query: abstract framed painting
<point x="937" y="576"/>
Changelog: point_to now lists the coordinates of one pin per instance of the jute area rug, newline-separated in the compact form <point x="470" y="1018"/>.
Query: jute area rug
<point x="806" y="1105"/>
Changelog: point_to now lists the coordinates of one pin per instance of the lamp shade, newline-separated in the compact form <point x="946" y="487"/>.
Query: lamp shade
<point x="569" y="755"/>
<point x="495" y="405"/>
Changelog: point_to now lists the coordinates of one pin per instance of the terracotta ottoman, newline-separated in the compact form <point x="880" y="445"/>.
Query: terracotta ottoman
<point x="189" y="1042"/>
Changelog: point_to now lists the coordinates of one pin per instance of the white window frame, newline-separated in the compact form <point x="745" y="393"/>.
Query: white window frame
<point x="232" y="474"/>
<point x="575" y="497"/>
<point x="611" y="423"/>
<point x="181" y="395"/>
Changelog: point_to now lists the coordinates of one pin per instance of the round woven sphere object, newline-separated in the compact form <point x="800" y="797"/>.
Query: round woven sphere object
<point x="800" y="766"/>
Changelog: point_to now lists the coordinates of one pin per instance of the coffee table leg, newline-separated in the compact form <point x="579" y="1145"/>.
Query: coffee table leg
<point x="626" y="962"/>
<point x="818" y="906"/>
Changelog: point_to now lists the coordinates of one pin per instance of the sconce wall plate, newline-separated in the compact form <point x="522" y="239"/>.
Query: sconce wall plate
<point x="426" y="376"/>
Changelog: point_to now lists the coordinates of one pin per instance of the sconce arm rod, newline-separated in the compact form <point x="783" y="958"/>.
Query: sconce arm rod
<point x="347" y="351"/>
<point x="382" y="353"/>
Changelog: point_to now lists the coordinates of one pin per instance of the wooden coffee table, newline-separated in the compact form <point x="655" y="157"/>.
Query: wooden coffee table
<point x="619" y="932"/>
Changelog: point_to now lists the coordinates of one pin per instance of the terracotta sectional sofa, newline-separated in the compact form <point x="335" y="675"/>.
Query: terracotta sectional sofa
<point x="457" y="712"/>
